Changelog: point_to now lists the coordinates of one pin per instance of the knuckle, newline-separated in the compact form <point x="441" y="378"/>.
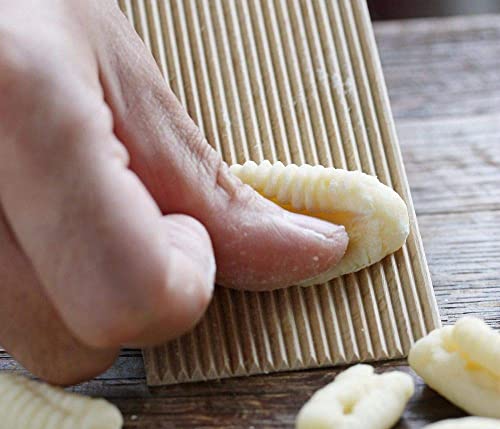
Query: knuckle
<point x="236" y="191"/>
<point x="221" y="181"/>
<point x="60" y="115"/>
<point x="205" y="155"/>
<point x="74" y="136"/>
<point x="79" y="120"/>
<point x="199" y="152"/>
<point x="20" y="61"/>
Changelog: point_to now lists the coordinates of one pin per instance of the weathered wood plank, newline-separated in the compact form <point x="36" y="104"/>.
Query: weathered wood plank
<point x="463" y="252"/>
<point x="453" y="164"/>
<point x="263" y="401"/>
<point x="439" y="68"/>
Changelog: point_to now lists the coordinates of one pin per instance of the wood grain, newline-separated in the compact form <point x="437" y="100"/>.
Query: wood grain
<point x="453" y="163"/>
<point x="451" y="146"/>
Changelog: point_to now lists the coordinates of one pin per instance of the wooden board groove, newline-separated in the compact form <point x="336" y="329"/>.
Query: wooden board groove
<point x="299" y="81"/>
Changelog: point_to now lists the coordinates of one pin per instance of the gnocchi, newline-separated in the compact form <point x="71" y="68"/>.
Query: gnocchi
<point x="466" y="423"/>
<point x="462" y="363"/>
<point x="28" y="404"/>
<point x="358" y="399"/>
<point x="374" y="216"/>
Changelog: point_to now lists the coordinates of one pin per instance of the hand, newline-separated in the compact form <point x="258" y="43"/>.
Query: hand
<point x="113" y="207"/>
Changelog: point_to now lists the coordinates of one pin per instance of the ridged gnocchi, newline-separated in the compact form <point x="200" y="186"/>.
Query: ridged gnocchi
<point x="466" y="423"/>
<point x="374" y="216"/>
<point x="462" y="363"/>
<point x="28" y="404"/>
<point x="358" y="399"/>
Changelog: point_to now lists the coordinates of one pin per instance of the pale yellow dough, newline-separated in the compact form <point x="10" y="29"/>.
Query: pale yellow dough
<point x="462" y="363"/>
<point x="374" y="216"/>
<point x="466" y="423"/>
<point x="358" y="399"/>
<point x="28" y="404"/>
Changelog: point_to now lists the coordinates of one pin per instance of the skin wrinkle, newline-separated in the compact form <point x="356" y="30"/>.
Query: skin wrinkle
<point x="110" y="268"/>
<point x="132" y="105"/>
<point x="178" y="123"/>
<point x="236" y="191"/>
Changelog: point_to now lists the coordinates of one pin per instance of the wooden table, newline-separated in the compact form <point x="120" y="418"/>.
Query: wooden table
<point x="444" y="81"/>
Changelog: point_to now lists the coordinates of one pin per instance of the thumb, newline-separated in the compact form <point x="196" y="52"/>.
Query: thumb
<point x="263" y="247"/>
<point x="257" y="245"/>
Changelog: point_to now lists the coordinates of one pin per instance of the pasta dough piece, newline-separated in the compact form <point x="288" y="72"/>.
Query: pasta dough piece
<point x="374" y="216"/>
<point x="28" y="404"/>
<point x="466" y="423"/>
<point x="358" y="399"/>
<point x="462" y="363"/>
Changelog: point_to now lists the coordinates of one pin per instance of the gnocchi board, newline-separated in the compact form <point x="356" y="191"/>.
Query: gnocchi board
<point x="297" y="81"/>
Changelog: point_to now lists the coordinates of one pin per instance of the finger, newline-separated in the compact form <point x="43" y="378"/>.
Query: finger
<point x="31" y="330"/>
<point x="187" y="244"/>
<point x="257" y="245"/>
<point x="109" y="261"/>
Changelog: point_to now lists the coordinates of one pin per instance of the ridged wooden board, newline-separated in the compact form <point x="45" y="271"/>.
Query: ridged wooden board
<point x="297" y="81"/>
